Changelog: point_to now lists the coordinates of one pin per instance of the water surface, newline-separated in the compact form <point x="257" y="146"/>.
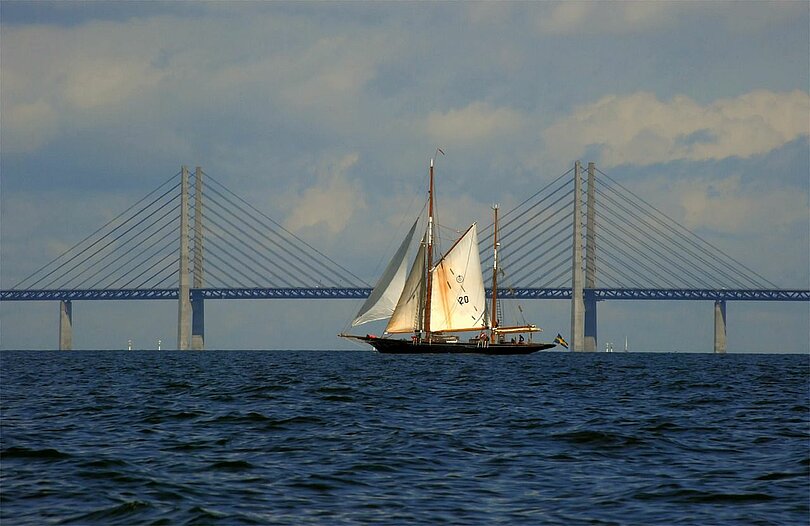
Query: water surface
<point x="227" y="437"/>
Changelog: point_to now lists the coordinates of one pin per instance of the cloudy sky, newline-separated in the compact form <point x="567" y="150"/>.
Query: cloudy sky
<point x="324" y="115"/>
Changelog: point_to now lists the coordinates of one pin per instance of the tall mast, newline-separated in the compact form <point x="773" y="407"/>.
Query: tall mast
<point x="429" y="280"/>
<point x="493" y="316"/>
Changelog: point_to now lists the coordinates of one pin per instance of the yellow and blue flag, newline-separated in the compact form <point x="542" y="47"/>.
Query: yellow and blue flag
<point x="559" y="339"/>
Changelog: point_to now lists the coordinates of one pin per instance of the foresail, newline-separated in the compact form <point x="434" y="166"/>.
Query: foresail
<point x="409" y="307"/>
<point x="383" y="299"/>
<point x="458" y="297"/>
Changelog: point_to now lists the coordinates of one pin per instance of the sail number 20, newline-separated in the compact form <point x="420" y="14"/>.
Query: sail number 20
<point x="463" y="299"/>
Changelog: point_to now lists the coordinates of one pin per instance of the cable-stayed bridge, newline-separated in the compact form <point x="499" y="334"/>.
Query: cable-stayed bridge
<point x="192" y="239"/>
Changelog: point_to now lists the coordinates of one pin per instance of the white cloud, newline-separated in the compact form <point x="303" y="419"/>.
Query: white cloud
<point x="640" y="16"/>
<point x="107" y="81"/>
<point x="640" y="129"/>
<point x="472" y="124"/>
<point x="330" y="203"/>
<point x="725" y="206"/>
<point x="27" y="126"/>
<point x="611" y="17"/>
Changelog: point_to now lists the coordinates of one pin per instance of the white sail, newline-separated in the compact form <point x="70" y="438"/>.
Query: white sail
<point x="458" y="298"/>
<point x="408" y="311"/>
<point x="382" y="300"/>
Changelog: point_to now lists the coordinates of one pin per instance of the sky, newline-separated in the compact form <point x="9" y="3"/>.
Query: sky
<point x="324" y="116"/>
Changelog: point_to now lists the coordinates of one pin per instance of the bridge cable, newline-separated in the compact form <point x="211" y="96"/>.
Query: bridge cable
<point x="96" y="232"/>
<point x="294" y="236"/>
<point x="672" y="221"/>
<point x="674" y="241"/>
<point x="106" y="245"/>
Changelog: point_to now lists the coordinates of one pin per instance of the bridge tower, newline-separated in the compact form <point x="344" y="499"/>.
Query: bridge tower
<point x="183" y="303"/>
<point x="191" y="309"/>
<point x="197" y="305"/>
<point x="590" y="263"/>
<point x="577" y="304"/>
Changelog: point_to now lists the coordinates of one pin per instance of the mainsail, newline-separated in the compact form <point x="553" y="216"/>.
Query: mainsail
<point x="408" y="312"/>
<point x="382" y="300"/>
<point x="458" y="298"/>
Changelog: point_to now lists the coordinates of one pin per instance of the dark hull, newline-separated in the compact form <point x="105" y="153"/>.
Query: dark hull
<point x="395" y="346"/>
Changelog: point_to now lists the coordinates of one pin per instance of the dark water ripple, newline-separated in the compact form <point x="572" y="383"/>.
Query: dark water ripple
<point x="105" y="438"/>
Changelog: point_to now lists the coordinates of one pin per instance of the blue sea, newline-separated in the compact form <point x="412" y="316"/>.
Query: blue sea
<point x="339" y="438"/>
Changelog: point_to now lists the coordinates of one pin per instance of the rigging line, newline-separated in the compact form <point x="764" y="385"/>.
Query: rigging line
<point x="633" y="260"/>
<point x="136" y="225"/>
<point x="239" y="271"/>
<point x="321" y="274"/>
<point x="293" y="235"/>
<point x="738" y="279"/>
<point x="226" y="273"/>
<point x="392" y="240"/>
<point x="249" y="247"/>
<point x="693" y="234"/>
<point x="539" y="235"/>
<point x="122" y="247"/>
<point x="137" y="254"/>
<point x="144" y="271"/>
<point x="158" y="273"/>
<point x="504" y="216"/>
<point x="649" y="247"/>
<point x="559" y="201"/>
<point x="96" y="232"/>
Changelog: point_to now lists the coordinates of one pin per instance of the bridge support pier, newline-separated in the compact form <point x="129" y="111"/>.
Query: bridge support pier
<point x="65" y="325"/>
<point x="720" y="326"/>
<point x="590" y="321"/>
<point x="197" y="321"/>
<point x="197" y="302"/>
<point x="590" y="262"/>
<point x="577" y="304"/>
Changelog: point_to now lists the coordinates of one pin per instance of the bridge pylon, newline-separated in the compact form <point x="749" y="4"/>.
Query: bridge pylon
<point x="197" y="301"/>
<point x="183" y="298"/>
<point x="191" y="307"/>
<point x="577" y="304"/>
<point x="590" y="263"/>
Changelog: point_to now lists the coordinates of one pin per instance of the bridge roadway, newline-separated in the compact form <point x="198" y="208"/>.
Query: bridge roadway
<point x="600" y="294"/>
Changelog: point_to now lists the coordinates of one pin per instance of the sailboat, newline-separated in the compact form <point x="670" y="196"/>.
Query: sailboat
<point x="431" y="301"/>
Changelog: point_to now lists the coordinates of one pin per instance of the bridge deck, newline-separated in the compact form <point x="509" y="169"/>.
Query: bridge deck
<point x="600" y="294"/>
